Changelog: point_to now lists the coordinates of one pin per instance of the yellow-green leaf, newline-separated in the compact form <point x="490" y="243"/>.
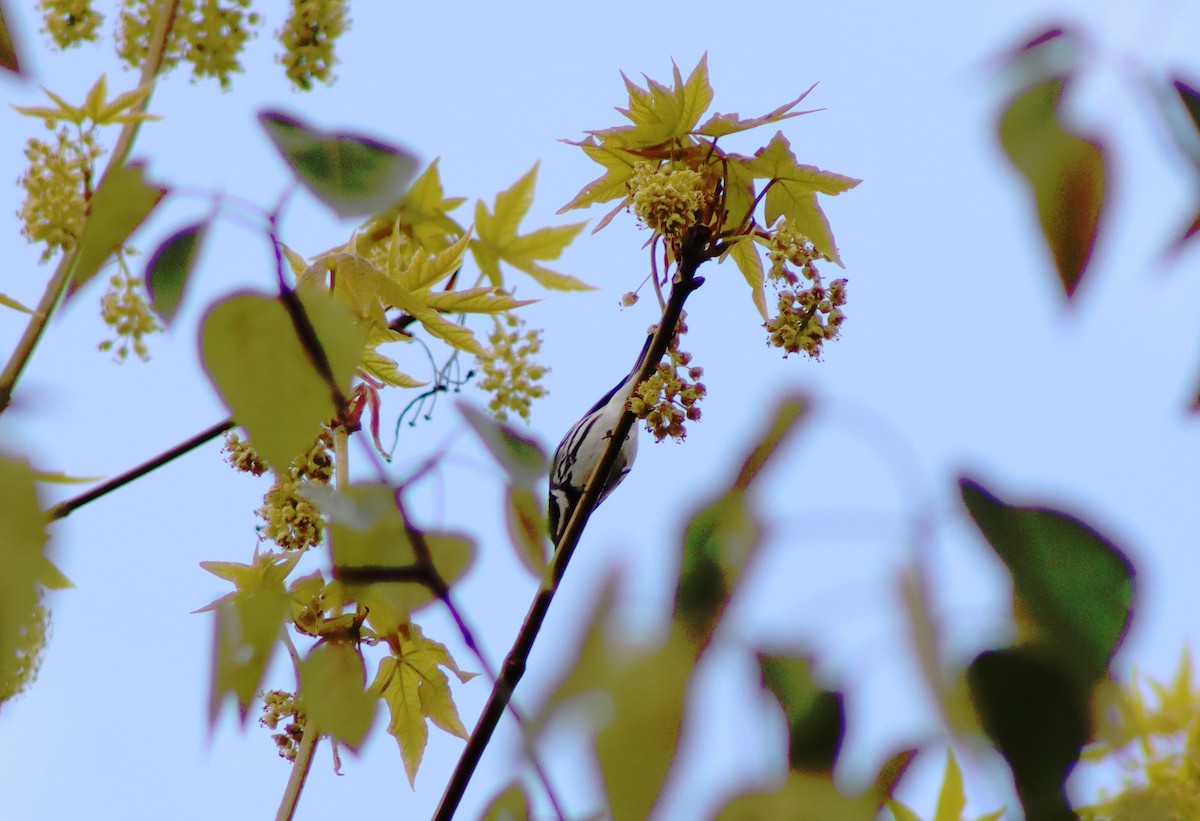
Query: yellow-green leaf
<point x="719" y="125"/>
<point x="332" y="681"/>
<point x="258" y="365"/>
<point x="458" y="336"/>
<point x="353" y="174"/>
<point x="952" y="799"/>
<point x="9" y="302"/>
<point x="745" y="254"/>
<point x="384" y="368"/>
<point x="509" y="805"/>
<point x="93" y="104"/>
<point x="526" y="521"/>
<point x="475" y="301"/>
<point x="612" y="184"/>
<point x="8" y="51"/>
<point x="58" y="477"/>
<point x="425" y="271"/>
<point x="397" y="685"/>
<point x="119" y="206"/>
<point x="248" y="625"/>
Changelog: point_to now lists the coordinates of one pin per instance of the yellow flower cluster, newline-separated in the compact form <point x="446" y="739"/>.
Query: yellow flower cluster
<point x="280" y="707"/>
<point x="20" y="669"/>
<point x="209" y="34"/>
<point x="509" y="373"/>
<point x="70" y="22"/>
<point x="124" y="310"/>
<point x="808" y="312"/>
<point x="290" y="520"/>
<point x="667" y="200"/>
<point x="242" y="455"/>
<point x="666" y="398"/>
<point x="57" y="187"/>
<point x="308" y="38"/>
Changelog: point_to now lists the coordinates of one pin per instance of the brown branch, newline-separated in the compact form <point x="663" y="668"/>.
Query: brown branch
<point x="71" y="505"/>
<point x="694" y="251"/>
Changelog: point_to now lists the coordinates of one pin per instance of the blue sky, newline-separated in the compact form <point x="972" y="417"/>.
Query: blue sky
<point x="958" y="355"/>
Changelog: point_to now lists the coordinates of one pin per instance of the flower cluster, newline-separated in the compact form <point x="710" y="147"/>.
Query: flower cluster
<point x="667" y="397"/>
<point x="284" y="708"/>
<point x="209" y="34"/>
<point x="509" y="372"/>
<point x="291" y="521"/>
<point x="70" y="22"/>
<point x="808" y="312"/>
<point x="124" y="310"/>
<point x="308" y="38"/>
<point x="58" y="184"/>
<point x="667" y="199"/>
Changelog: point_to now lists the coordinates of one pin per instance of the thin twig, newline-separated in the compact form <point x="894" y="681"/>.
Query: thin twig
<point x="299" y="774"/>
<point x="694" y="250"/>
<point x="71" y="505"/>
<point x="66" y="265"/>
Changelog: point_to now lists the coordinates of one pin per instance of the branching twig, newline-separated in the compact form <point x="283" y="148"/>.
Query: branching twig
<point x="695" y="249"/>
<point x="66" y="265"/>
<point x="71" y="505"/>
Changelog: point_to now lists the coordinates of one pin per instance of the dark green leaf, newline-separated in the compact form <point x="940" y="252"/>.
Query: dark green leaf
<point x="1073" y="584"/>
<point x="169" y="267"/>
<point x="1035" y="711"/>
<point x="354" y="175"/>
<point x="1065" y="172"/>
<point x="522" y="457"/>
<point x="816" y="717"/>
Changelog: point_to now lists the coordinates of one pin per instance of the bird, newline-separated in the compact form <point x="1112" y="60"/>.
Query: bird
<point x="584" y="444"/>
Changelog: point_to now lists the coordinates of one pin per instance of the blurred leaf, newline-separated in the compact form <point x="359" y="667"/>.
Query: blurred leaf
<point x="57" y="477"/>
<point x="118" y="207"/>
<point x="247" y="631"/>
<point x="510" y="805"/>
<point x="816" y="717"/>
<point x="745" y="255"/>
<point x="526" y="521"/>
<point x="170" y="266"/>
<point x="1033" y="707"/>
<point x="1072" y="584"/>
<point x="8" y="51"/>
<point x="523" y="458"/>
<point x="721" y="538"/>
<point x="373" y="556"/>
<point x="952" y="799"/>
<point x="889" y="775"/>
<point x="23" y="563"/>
<point x="9" y="302"/>
<point x="332" y="679"/>
<point x="354" y="175"/>
<point x="1065" y="172"/>
<point x="259" y="366"/>
<point x="802" y="797"/>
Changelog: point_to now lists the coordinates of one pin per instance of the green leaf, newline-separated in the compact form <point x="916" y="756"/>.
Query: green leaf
<point x="511" y="804"/>
<point x="802" y="797"/>
<point x="23" y="562"/>
<point x="523" y="458"/>
<point x="119" y="206"/>
<point x="259" y="366"/>
<point x="745" y="254"/>
<point x="9" y="302"/>
<point x="1073" y="587"/>
<point x="722" y="538"/>
<point x="332" y="681"/>
<point x="354" y="175"/>
<point x="719" y="125"/>
<point x="8" y="51"/>
<point x="889" y="775"/>
<point x="1064" y="171"/>
<point x="526" y="521"/>
<point x="372" y="549"/>
<point x="170" y="266"/>
<point x="1032" y="706"/>
<point x="248" y="625"/>
<point x="816" y="717"/>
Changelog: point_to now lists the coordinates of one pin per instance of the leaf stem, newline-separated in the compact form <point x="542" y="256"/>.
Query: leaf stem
<point x="66" y="265"/>
<point x="300" y="768"/>
<point x="695" y="249"/>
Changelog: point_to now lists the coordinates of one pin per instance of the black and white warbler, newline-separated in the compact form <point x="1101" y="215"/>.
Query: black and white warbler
<point x="580" y="450"/>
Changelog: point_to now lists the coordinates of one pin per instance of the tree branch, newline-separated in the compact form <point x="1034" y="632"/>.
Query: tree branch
<point x="66" y="265"/>
<point x="695" y="249"/>
<point x="68" y="507"/>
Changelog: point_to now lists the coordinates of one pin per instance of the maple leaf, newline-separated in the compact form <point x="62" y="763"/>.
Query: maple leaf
<point x="660" y="114"/>
<point x="719" y="125"/>
<point x="613" y="183"/>
<point x="793" y="192"/>
<point x="415" y="689"/>
<point x="498" y="241"/>
<point x="423" y="213"/>
<point x="95" y="107"/>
